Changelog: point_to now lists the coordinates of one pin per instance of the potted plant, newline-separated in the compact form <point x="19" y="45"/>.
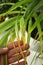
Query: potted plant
<point x="23" y="11"/>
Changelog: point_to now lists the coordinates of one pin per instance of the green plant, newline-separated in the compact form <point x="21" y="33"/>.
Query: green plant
<point x="27" y="10"/>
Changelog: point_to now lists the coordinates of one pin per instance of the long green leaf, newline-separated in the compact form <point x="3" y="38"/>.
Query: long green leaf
<point x="29" y="27"/>
<point x="19" y="3"/>
<point x="8" y="24"/>
<point x="6" y="4"/>
<point x="15" y="6"/>
<point x="40" y="17"/>
<point x="33" y="8"/>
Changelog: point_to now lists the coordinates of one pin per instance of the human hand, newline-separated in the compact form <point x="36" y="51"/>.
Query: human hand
<point x="12" y="55"/>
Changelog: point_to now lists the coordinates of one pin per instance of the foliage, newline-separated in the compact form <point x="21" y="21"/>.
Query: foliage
<point x="22" y="11"/>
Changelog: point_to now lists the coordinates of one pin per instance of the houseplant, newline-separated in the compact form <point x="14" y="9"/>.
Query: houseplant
<point x="23" y="10"/>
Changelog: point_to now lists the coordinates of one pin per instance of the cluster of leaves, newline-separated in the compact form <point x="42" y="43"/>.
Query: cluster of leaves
<point x="23" y="11"/>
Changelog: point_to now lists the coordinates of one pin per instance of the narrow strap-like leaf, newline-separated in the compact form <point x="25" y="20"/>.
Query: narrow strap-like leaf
<point x="40" y="17"/>
<point x="29" y="27"/>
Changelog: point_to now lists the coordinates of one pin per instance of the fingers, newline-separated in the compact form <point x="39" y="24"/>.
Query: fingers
<point x="14" y="57"/>
<point x="10" y="45"/>
<point x="21" y="63"/>
<point x="12" y="51"/>
<point x="3" y="50"/>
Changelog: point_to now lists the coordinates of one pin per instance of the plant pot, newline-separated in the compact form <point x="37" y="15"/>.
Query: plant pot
<point x="33" y="55"/>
